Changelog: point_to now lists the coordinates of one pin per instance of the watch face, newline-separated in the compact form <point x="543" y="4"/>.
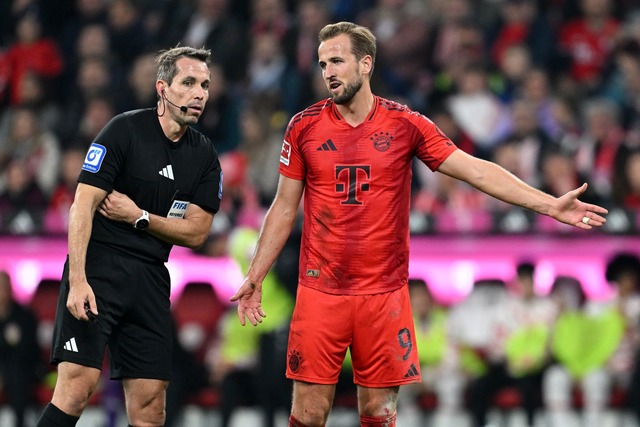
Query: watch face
<point x="142" y="224"/>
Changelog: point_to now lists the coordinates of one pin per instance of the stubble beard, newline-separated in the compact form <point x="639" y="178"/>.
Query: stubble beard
<point x="350" y="91"/>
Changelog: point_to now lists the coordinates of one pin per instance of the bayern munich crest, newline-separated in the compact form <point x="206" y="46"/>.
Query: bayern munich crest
<point x="381" y="141"/>
<point x="294" y="361"/>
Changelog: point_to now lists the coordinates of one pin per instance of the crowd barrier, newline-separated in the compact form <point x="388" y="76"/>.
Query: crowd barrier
<point x="449" y="264"/>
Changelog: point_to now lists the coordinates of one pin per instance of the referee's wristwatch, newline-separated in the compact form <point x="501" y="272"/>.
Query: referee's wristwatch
<point x="143" y="222"/>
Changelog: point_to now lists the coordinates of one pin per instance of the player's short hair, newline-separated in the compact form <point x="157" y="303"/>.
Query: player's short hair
<point x="166" y="60"/>
<point x="363" y="42"/>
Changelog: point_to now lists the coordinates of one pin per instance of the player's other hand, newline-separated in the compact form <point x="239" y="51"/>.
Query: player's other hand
<point x="249" y="298"/>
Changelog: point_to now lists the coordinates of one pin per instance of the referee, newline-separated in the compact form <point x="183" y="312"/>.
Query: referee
<point x="149" y="181"/>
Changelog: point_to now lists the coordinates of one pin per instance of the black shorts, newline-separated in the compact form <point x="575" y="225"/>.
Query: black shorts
<point x="134" y="318"/>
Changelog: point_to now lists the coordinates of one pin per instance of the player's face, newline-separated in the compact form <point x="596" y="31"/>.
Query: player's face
<point x="340" y="69"/>
<point x="190" y="87"/>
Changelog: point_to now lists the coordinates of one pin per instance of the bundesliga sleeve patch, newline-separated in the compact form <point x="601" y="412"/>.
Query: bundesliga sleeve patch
<point x="94" y="158"/>
<point x="285" y="154"/>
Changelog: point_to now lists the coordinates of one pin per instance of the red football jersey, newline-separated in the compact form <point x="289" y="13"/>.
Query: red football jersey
<point x="357" y="192"/>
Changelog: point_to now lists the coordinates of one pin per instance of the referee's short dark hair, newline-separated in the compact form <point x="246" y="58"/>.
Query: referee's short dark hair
<point x="166" y="60"/>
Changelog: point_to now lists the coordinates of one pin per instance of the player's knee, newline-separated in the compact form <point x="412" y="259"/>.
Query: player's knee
<point x="147" y="412"/>
<point x="381" y="403"/>
<point x="313" y="417"/>
<point x="73" y="389"/>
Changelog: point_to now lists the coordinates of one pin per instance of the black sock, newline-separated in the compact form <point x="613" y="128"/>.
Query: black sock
<point x="52" y="416"/>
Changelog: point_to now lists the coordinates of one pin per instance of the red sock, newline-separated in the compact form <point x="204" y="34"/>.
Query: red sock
<point x="378" y="421"/>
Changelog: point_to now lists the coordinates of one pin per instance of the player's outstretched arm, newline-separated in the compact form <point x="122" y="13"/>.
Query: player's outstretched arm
<point x="494" y="180"/>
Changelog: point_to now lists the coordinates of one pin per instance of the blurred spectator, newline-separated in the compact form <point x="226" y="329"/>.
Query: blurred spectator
<point x="20" y="363"/>
<point x="623" y="274"/>
<point x="478" y="328"/>
<point x="521" y="24"/>
<point x="97" y="113"/>
<point x="624" y="84"/>
<point x="86" y="12"/>
<point x="583" y="342"/>
<point x="93" y="43"/>
<point x="37" y="148"/>
<point x="458" y="45"/>
<point x="240" y="206"/>
<point x="35" y="96"/>
<point x="526" y="340"/>
<point x="626" y="183"/>
<point x="128" y="35"/>
<point x="597" y="155"/>
<point x="57" y="213"/>
<point x="536" y="88"/>
<point x="270" y="17"/>
<point x="22" y="203"/>
<point x="261" y="143"/>
<point x="516" y="62"/>
<point x="267" y="72"/>
<point x="439" y="363"/>
<point x="209" y="23"/>
<point x="402" y="31"/>
<point x="478" y="111"/>
<point x="587" y="42"/>
<point x="220" y="119"/>
<point x="235" y="360"/>
<point x="447" y="20"/>
<point x="300" y="47"/>
<point x="532" y="142"/>
<point x="31" y="51"/>
<point x="140" y="91"/>
<point x="93" y="79"/>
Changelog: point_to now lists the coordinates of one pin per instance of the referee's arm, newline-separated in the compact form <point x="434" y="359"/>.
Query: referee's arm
<point x="190" y="231"/>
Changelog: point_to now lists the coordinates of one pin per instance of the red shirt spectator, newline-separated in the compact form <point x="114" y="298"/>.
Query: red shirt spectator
<point x="589" y="40"/>
<point x="31" y="52"/>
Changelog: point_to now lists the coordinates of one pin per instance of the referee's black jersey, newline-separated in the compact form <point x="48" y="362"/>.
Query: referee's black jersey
<point x="133" y="156"/>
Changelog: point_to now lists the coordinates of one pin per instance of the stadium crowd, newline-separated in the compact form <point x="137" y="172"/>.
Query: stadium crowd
<point x="547" y="89"/>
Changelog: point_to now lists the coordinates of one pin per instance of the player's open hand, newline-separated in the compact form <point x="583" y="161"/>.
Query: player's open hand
<point x="249" y="298"/>
<point x="572" y="211"/>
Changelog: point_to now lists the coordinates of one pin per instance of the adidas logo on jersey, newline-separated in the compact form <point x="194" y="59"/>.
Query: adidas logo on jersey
<point x="71" y="345"/>
<point x="412" y="372"/>
<point x="167" y="172"/>
<point x="327" y="146"/>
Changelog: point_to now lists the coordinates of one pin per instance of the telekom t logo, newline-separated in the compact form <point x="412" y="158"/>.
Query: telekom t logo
<point x="349" y="175"/>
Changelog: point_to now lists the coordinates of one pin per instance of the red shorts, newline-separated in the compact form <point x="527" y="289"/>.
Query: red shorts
<point x="378" y="329"/>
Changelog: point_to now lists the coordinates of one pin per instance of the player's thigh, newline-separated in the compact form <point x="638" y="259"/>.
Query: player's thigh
<point x="384" y="352"/>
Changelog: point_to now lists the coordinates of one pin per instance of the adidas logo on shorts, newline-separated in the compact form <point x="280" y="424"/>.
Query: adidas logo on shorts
<point x="412" y="372"/>
<point x="71" y="345"/>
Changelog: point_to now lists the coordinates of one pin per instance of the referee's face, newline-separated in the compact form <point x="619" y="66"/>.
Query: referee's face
<point x="190" y="89"/>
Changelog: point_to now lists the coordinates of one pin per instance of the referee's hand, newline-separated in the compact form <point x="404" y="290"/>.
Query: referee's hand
<point x="249" y="298"/>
